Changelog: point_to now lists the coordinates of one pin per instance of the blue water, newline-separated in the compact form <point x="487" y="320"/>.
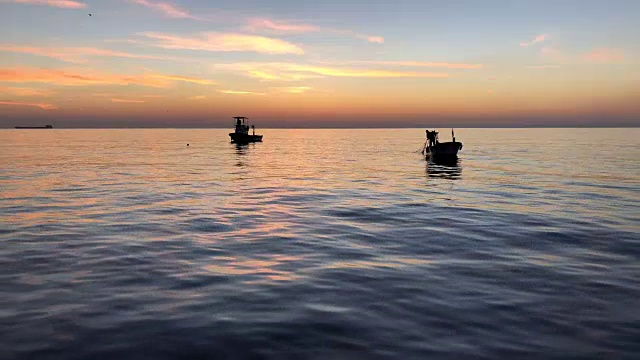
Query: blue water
<point x="319" y="244"/>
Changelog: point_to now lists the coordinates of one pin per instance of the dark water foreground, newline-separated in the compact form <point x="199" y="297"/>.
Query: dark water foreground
<point x="333" y="244"/>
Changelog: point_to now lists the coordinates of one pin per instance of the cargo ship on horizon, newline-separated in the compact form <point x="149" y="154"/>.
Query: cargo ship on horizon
<point x="35" y="127"/>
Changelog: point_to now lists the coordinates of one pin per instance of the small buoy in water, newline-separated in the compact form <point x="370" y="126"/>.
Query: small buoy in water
<point x="187" y="144"/>
<point x="90" y="15"/>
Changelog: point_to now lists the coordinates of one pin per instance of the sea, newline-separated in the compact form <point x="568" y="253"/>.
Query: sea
<point x="319" y="244"/>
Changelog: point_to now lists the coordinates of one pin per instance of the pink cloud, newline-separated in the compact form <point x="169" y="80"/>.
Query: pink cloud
<point x="212" y="41"/>
<point x="43" y="106"/>
<point x="375" y="39"/>
<point x="185" y="79"/>
<point x="75" y="55"/>
<point x="604" y="55"/>
<point x="167" y="9"/>
<point x="91" y="78"/>
<point x="283" y="27"/>
<point x="26" y="92"/>
<point x="64" y="4"/>
<point x="536" y="40"/>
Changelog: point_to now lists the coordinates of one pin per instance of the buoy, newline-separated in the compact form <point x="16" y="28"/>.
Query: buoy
<point x="187" y="144"/>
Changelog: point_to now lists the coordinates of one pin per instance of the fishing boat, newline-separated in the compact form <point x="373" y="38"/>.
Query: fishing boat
<point x="241" y="134"/>
<point x="435" y="149"/>
<point x="35" y="127"/>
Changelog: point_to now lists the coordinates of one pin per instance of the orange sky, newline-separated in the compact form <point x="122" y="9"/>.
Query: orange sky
<point x="183" y="63"/>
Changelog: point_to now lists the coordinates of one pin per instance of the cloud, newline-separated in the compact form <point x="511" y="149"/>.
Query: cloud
<point x="270" y="76"/>
<point x="375" y="39"/>
<point x="288" y="27"/>
<point x="281" y="27"/>
<point x="294" y="72"/>
<point x="185" y="79"/>
<point x="604" y="55"/>
<point x="64" y="4"/>
<point x="127" y="101"/>
<point x="421" y="64"/>
<point x="536" y="40"/>
<point x="167" y="9"/>
<point x="294" y="89"/>
<point x="77" y="55"/>
<point x="361" y="73"/>
<point x="237" y="92"/>
<point x="26" y="92"/>
<point x="595" y="56"/>
<point x="90" y="78"/>
<point x="43" y="106"/>
<point x="197" y="97"/>
<point x="213" y="41"/>
<point x="543" y="67"/>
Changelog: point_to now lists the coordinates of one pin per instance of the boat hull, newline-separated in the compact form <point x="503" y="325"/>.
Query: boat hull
<point x="446" y="150"/>
<point x="244" y="138"/>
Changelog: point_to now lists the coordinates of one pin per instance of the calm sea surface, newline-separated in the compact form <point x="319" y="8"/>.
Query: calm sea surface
<point x="319" y="244"/>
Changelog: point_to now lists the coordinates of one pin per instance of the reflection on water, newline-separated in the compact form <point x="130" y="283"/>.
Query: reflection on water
<point x="444" y="168"/>
<point x="241" y="152"/>
<point x="120" y="244"/>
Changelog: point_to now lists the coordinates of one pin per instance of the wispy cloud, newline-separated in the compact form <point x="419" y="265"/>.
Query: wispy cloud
<point x="76" y="55"/>
<point x="83" y="77"/>
<point x="359" y="72"/>
<point x="604" y="55"/>
<point x="43" y="106"/>
<point x="197" y="97"/>
<point x="295" y="72"/>
<point x="536" y="40"/>
<point x="543" y="67"/>
<point x="420" y="64"/>
<point x="167" y="9"/>
<point x="213" y="41"/>
<point x="269" y="75"/>
<point x="595" y="56"/>
<point x="288" y="27"/>
<point x="280" y="26"/>
<point x="185" y="79"/>
<point x="239" y="92"/>
<point x="26" y="92"/>
<point x="127" y="101"/>
<point x="374" y="39"/>
<point x="64" y="4"/>
<point x="294" y="89"/>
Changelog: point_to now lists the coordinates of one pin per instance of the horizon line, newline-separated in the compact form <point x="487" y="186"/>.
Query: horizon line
<point x="346" y="128"/>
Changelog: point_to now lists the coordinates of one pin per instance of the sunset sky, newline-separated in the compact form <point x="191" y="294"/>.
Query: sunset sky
<point x="336" y="63"/>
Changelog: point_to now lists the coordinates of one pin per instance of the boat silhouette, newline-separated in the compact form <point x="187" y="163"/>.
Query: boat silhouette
<point x="435" y="149"/>
<point x="241" y="134"/>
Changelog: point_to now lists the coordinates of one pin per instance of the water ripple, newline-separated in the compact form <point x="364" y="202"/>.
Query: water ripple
<point x="126" y="244"/>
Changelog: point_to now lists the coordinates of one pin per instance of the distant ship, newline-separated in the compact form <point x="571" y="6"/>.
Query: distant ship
<point x="35" y="127"/>
<point x="441" y="150"/>
<point x="241" y="134"/>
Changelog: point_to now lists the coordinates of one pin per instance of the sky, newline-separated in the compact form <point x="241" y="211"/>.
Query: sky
<point x="310" y="63"/>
